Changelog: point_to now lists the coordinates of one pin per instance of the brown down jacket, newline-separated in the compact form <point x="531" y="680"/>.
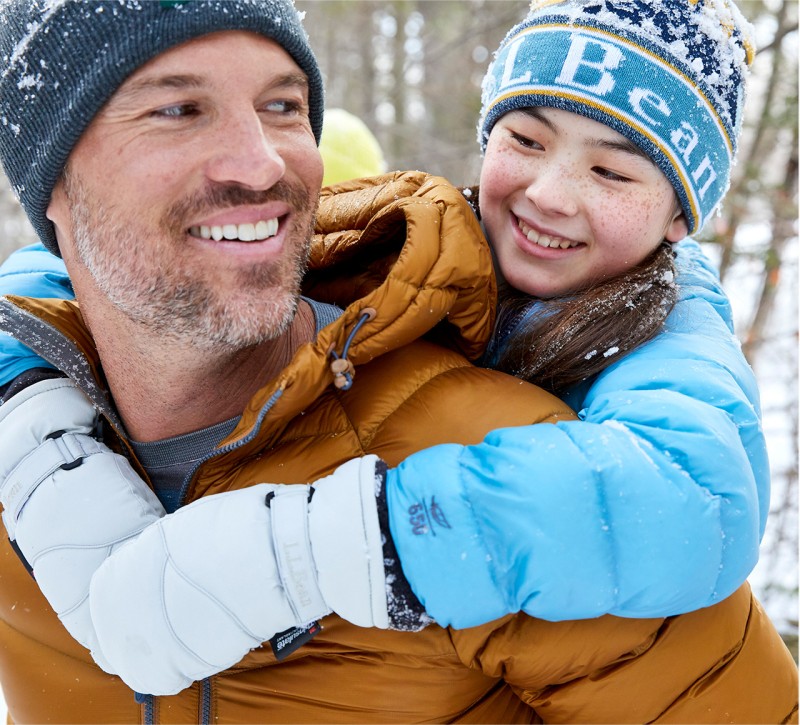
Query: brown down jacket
<point x="413" y="252"/>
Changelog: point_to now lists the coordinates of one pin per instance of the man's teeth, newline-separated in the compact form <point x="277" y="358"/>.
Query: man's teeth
<point x="241" y="232"/>
<point x="544" y="240"/>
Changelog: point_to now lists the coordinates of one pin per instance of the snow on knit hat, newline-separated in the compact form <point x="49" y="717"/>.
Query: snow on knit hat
<point x="667" y="74"/>
<point x="63" y="59"/>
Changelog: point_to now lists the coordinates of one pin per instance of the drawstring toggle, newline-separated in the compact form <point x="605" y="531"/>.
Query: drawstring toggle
<point x="343" y="370"/>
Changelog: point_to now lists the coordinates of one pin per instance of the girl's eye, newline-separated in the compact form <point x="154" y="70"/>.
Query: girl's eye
<point x="610" y="175"/>
<point x="526" y="142"/>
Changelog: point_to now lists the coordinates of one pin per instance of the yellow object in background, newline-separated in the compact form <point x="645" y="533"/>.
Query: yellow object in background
<point x="349" y="149"/>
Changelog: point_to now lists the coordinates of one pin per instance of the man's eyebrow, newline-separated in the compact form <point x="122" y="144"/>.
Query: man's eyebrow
<point x="141" y="86"/>
<point x="134" y="88"/>
<point x="288" y="80"/>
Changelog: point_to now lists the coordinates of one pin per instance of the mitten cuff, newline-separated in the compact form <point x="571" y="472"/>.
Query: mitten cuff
<point x="406" y="613"/>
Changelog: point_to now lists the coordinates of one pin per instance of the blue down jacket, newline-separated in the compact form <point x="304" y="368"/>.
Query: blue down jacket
<point x="653" y="504"/>
<point x="30" y="272"/>
<point x="655" y="501"/>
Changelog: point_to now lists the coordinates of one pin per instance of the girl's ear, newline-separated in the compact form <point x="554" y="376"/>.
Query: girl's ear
<point x="677" y="229"/>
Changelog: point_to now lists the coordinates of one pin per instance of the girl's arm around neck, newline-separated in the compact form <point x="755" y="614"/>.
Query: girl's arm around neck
<point x="652" y="504"/>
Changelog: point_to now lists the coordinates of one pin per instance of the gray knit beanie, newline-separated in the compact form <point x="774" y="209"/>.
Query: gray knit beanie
<point x="63" y="59"/>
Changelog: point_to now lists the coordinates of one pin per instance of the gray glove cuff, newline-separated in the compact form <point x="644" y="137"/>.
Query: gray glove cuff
<point x="406" y="613"/>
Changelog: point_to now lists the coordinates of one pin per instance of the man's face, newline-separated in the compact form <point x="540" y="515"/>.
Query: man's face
<point x="188" y="203"/>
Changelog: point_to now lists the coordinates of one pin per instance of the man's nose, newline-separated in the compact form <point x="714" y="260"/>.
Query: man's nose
<point x="554" y="190"/>
<point x="245" y="154"/>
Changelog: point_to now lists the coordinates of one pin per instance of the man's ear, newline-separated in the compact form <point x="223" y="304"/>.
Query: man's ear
<point x="59" y="214"/>
<point x="677" y="229"/>
<point x="58" y="209"/>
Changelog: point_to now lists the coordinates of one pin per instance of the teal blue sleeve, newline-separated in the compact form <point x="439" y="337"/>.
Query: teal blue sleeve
<point x="30" y="272"/>
<point x="652" y="504"/>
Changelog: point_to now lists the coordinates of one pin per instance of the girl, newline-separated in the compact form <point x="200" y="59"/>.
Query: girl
<point x="609" y="130"/>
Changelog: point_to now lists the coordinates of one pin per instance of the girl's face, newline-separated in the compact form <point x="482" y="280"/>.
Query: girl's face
<point x="567" y="201"/>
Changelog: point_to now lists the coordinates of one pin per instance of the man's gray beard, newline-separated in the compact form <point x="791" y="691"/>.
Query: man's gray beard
<point x="172" y="303"/>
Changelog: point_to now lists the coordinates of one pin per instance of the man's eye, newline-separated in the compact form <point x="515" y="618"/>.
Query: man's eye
<point x="176" y="111"/>
<point x="526" y="142"/>
<point x="283" y="106"/>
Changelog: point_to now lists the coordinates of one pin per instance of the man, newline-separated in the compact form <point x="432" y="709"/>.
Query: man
<point x="181" y="192"/>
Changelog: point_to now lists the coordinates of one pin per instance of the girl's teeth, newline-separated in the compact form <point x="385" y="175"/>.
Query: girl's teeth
<point x="543" y="240"/>
<point x="241" y="232"/>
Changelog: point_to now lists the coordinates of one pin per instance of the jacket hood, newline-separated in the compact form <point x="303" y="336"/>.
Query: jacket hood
<point x="407" y="244"/>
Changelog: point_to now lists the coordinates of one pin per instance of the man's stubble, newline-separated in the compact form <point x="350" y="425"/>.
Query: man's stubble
<point x="144" y="280"/>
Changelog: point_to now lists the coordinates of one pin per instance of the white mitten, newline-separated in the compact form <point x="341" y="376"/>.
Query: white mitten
<point x="203" y="586"/>
<point x="68" y="500"/>
<point x="346" y="544"/>
<point x="192" y="594"/>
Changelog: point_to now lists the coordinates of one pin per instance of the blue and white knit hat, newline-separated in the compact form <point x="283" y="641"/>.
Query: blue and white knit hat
<point x="667" y="74"/>
<point x="63" y="59"/>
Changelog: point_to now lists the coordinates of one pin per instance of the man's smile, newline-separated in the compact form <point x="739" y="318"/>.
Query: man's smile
<point x="248" y="232"/>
